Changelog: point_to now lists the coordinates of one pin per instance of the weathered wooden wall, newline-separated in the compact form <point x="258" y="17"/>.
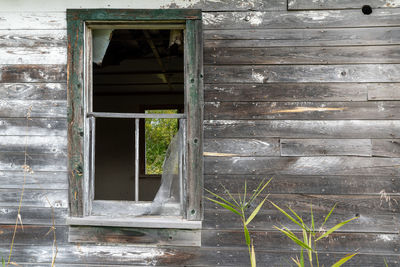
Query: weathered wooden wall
<point x="311" y="97"/>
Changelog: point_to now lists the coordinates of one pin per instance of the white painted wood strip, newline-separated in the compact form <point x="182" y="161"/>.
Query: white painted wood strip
<point x="37" y="55"/>
<point x="33" y="20"/>
<point x="33" y="38"/>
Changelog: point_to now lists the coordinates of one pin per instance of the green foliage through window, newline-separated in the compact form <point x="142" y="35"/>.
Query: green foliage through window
<point x="158" y="135"/>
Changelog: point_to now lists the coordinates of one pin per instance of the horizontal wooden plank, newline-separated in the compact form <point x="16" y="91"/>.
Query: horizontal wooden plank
<point x="241" y="147"/>
<point x="33" y="234"/>
<point x="35" y="108"/>
<point x="33" y="91"/>
<point x="36" y="180"/>
<point x="32" y="73"/>
<point x="33" y="21"/>
<point x="292" y="91"/>
<point x="111" y="255"/>
<point x="329" y="147"/>
<point x="302" y="73"/>
<point x="267" y="218"/>
<point x="337" y="242"/>
<point x="34" y="144"/>
<point x="389" y="92"/>
<point x="34" y="126"/>
<point x="360" y="129"/>
<point x="37" y="55"/>
<point x="34" y="198"/>
<point x="300" y="19"/>
<point x="33" y="215"/>
<point x="340" y="4"/>
<point x="303" y="55"/>
<point x="33" y="38"/>
<point x="348" y="206"/>
<point x="301" y="37"/>
<point x="121" y="235"/>
<point x="14" y="161"/>
<point x="328" y="165"/>
<point x="302" y="110"/>
<point x="307" y="184"/>
<point x="386" y="148"/>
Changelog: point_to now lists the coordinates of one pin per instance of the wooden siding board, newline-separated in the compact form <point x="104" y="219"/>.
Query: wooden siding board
<point x="124" y="235"/>
<point x="36" y="180"/>
<point x="37" y="55"/>
<point x="32" y="73"/>
<point x="34" y="144"/>
<point x="264" y="221"/>
<point x="340" y="4"/>
<point x="34" y="127"/>
<point x="300" y="19"/>
<point x="33" y="234"/>
<point x="35" y="108"/>
<point x="34" y="198"/>
<point x="307" y="184"/>
<point x="95" y="255"/>
<point x="32" y="21"/>
<point x="302" y="73"/>
<point x="37" y="162"/>
<point x="33" y="91"/>
<point x="302" y="55"/>
<point x="33" y="38"/>
<point x="328" y="147"/>
<point x="303" y="165"/>
<point x="390" y="92"/>
<point x="242" y="147"/>
<point x="302" y="110"/>
<point x="302" y="37"/>
<point x="338" y="242"/>
<point x="386" y="148"/>
<point x="33" y="215"/>
<point x="292" y="91"/>
<point x="360" y="129"/>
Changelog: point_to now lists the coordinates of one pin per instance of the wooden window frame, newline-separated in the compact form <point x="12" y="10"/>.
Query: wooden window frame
<point x="79" y="23"/>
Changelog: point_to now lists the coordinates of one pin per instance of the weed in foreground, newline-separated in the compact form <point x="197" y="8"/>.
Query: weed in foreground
<point x="311" y="236"/>
<point x="239" y="206"/>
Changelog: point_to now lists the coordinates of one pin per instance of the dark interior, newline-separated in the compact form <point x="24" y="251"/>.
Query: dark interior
<point x="141" y="69"/>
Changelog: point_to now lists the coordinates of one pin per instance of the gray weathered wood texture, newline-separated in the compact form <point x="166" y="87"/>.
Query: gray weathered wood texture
<point x="309" y="97"/>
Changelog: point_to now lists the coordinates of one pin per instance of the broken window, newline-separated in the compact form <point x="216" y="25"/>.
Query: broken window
<point x="141" y="119"/>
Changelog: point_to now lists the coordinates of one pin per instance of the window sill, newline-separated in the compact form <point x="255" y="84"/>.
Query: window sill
<point x="171" y="222"/>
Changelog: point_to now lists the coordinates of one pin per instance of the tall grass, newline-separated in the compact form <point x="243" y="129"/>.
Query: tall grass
<point x="239" y="206"/>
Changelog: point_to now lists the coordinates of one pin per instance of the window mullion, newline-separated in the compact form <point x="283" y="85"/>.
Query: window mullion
<point x="137" y="160"/>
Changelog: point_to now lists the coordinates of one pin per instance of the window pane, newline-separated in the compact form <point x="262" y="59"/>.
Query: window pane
<point x="158" y="135"/>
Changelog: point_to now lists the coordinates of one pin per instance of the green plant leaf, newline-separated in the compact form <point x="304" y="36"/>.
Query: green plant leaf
<point x="327" y="216"/>
<point x="302" y="257"/>
<point x="245" y="192"/>
<point x="343" y="260"/>
<point x="294" y="238"/>
<point x="312" y="221"/>
<point x="246" y="235"/>
<point x="225" y="206"/>
<point x="384" y="260"/>
<point x="300" y="219"/>
<point x="221" y="198"/>
<point x="3" y="262"/>
<point x="258" y="191"/>
<point x="287" y="215"/>
<point x="230" y="195"/>
<point x="255" y="211"/>
<point x="334" y="228"/>
<point x="298" y="263"/>
<point x="253" y="256"/>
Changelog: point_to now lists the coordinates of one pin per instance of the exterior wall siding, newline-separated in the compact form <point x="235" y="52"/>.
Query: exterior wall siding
<point x="311" y="97"/>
